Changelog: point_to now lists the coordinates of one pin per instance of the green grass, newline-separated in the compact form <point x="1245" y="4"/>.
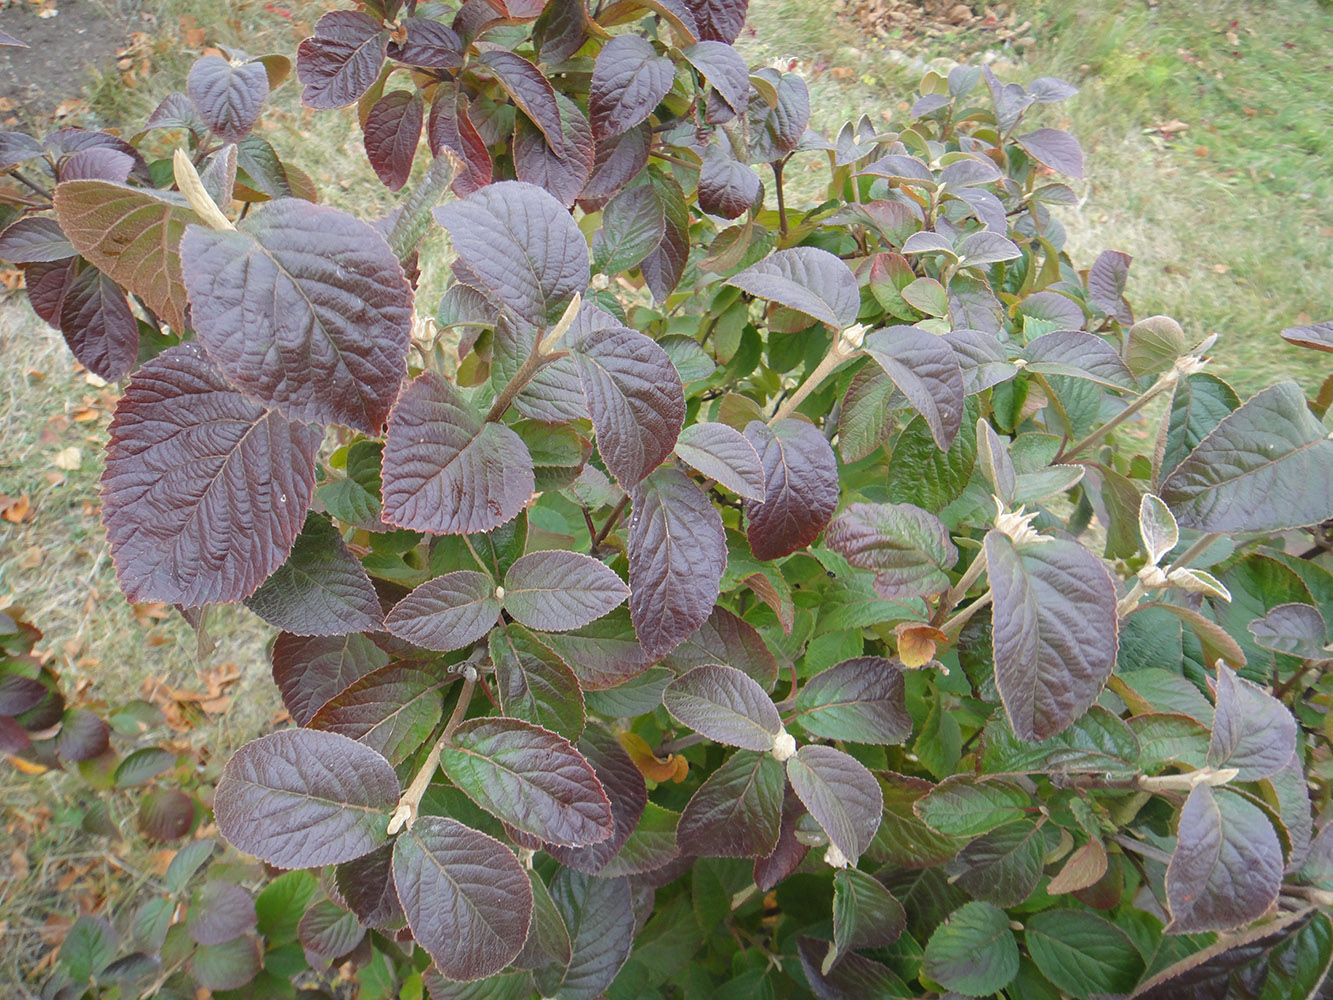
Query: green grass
<point x="1230" y="222"/>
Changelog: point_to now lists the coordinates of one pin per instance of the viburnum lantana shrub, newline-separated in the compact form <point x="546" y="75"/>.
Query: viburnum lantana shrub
<point x="745" y="594"/>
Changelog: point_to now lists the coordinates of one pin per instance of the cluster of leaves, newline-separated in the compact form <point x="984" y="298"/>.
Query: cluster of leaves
<point x="907" y="672"/>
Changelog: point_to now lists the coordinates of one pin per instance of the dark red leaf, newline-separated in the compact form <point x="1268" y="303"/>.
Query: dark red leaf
<point x="428" y="44"/>
<point x="328" y="932"/>
<point x="534" y="684"/>
<point x="35" y="238"/>
<point x="564" y="169"/>
<point x="629" y="80"/>
<point x="299" y="798"/>
<point x="727" y="640"/>
<point x="83" y="735"/>
<point x="98" y="325"/>
<point x="677" y="552"/>
<point x="165" y="814"/>
<point x="663" y="268"/>
<point x="1252" y="730"/>
<point x="908" y="548"/>
<point x="228" y="98"/>
<point x="392" y="132"/>
<point x="392" y="711"/>
<point x="737" y="811"/>
<point x="788" y="853"/>
<point x="724" y="68"/>
<point x="776" y="131"/>
<point x="625" y="789"/>
<point x="601" y="655"/>
<point x="859" y="701"/>
<point x="616" y="161"/>
<point x="366" y="886"/>
<point x="800" y="487"/>
<point x="925" y="369"/>
<point x="306" y="309"/>
<point x="529" y="89"/>
<point x="561" y="30"/>
<point x="726" y="187"/>
<point x="342" y="61"/>
<point x="446" y="471"/>
<point x="718" y="20"/>
<point x="451" y="128"/>
<point x="1106" y="285"/>
<point x="47" y="283"/>
<point x="466" y="897"/>
<point x="204" y="490"/>
<point x="448" y="612"/>
<point x="556" y="591"/>
<point x="636" y="400"/>
<point x="219" y="912"/>
<point x="311" y="671"/>
<point x="1056" y="149"/>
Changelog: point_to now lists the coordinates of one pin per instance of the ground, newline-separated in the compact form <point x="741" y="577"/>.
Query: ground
<point x="1208" y="146"/>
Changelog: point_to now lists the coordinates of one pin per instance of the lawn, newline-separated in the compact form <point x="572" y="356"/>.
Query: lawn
<point x="1208" y="154"/>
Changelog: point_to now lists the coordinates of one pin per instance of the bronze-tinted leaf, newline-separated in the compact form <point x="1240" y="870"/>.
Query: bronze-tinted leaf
<point x="563" y="169"/>
<point x="448" y="612"/>
<point x="534" y="684"/>
<point x="626" y="790"/>
<point x="555" y="591"/>
<point x="737" y="811"/>
<point x="629" y="79"/>
<point x="800" y="487"/>
<point x="428" y="44"/>
<point x="925" y="369"/>
<point x="228" y="97"/>
<point x="392" y="711"/>
<point x="342" y="60"/>
<point x="450" y="127"/>
<point x="860" y="701"/>
<point x="529" y="89"/>
<point x="204" y="490"/>
<point x="446" y="471"/>
<point x="908" y="548"/>
<point x="310" y="671"/>
<point x="392" y="133"/>
<point x="616" y="161"/>
<point x="843" y="797"/>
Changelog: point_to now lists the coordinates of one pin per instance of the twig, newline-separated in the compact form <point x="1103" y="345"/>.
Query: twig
<point x="406" y="812"/>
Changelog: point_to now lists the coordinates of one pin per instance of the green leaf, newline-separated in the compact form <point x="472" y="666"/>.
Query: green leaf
<point x="963" y="806"/>
<point x="1082" y="953"/>
<point x="1097" y="742"/>
<point x="860" y="700"/>
<point x="865" y="915"/>
<point x="534" y="684"/>
<point x="88" y="948"/>
<point x="1266" y="467"/>
<point x="920" y="474"/>
<point x="279" y="907"/>
<point x="1198" y="405"/>
<point x="908" y="548"/>
<point x="973" y="952"/>
<point x="1004" y="866"/>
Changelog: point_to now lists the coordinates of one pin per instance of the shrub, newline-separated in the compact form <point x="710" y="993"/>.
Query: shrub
<point x="917" y="665"/>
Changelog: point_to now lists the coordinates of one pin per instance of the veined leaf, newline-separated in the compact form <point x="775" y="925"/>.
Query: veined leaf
<point x="629" y="80"/>
<point x="974" y="951"/>
<point x="530" y="90"/>
<point x="531" y="778"/>
<point x="961" y="806"/>
<point x="737" y="811"/>
<point x="1296" y="629"/>
<point x="392" y="133"/>
<point x="599" y="913"/>
<point x="311" y="671"/>
<point x="806" y="279"/>
<point x="925" y="369"/>
<point x="342" y="60"/>
<point x="800" y="487"/>
<point x="556" y="591"/>
<point x="392" y="711"/>
<point x="843" y="797"/>
<point x="865" y="915"/>
<point x="534" y="684"/>
<point x="860" y="701"/>
<point x="1252" y="730"/>
<point x="724" y="454"/>
<point x="1082" y="953"/>
<point x="908" y="548"/>
<point x="448" y="612"/>
<point x="1078" y="355"/>
<point x="725" y="705"/>
<point x="227" y="97"/>
<point x="1056" y="149"/>
<point x="300" y="798"/>
<point x="626" y="790"/>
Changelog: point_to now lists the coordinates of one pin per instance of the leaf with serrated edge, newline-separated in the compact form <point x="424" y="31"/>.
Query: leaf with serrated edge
<point x="800" y="487"/>
<point x="737" y="811"/>
<point x="1078" y="355"/>
<point x="728" y="640"/>
<point x="392" y="711"/>
<point x="843" y="797"/>
<point x="521" y="243"/>
<point x="204" y="490"/>
<point x="722" y="453"/>
<point x="1082" y="953"/>
<point x="341" y="61"/>
<point x="132" y="235"/>
<point x="724" y="68"/>
<point x="865" y="914"/>
<point x="301" y="798"/>
<point x="556" y="591"/>
<point x="1055" y="633"/>
<point x="309" y="671"/>
<point x="860" y="701"/>
<point x="98" y="325"/>
<point x="392" y="133"/>
<point x="1267" y="466"/>
<point x="925" y="369"/>
<point x="534" y="684"/>
<point x="1227" y="866"/>
<point x="306" y="309"/>
<point x="530" y="90"/>
<point x="321" y="589"/>
<point x="965" y="807"/>
<point x="447" y="472"/>
<point x="1296" y="629"/>
<point x="448" y="612"/>
<point x="629" y="80"/>
<point x="531" y="778"/>
<point x="806" y="279"/>
<point x="1252" y="730"/>
<point x="677" y="553"/>
<point x="725" y="705"/>
<point x="599" y="913"/>
<point x="227" y="97"/>
<point x="974" y="951"/>
<point x="466" y="897"/>
<point x="626" y="790"/>
<point x="636" y="400"/>
<point x="908" y="548"/>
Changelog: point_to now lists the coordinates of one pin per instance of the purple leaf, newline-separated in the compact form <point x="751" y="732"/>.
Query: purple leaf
<point x="629" y="80"/>
<point x="366" y="886"/>
<point x="132" y="235"/>
<point x="1055" y="631"/>
<point x="228" y="98"/>
<point x="328" y="932"/>
<point x="859" y="701"/>
<point x="204" y="490"/>
<point x="16" y="148"/>
<point x="219" y="912"/>
<point x="985" y="248"/>
<point x="83" y="735"/>
<point x="800" y="487"/>
<point x="534" y="684"/>
<point x="599" y="913"/>
<point x="321" y="589"/>
<point x="718" y="20"/>
<point x="865" y="914"/>
<point x="176" y="110"/>
<point x="548" y="938"/>
<point x="925" y="370"/>
<point x="1295" y="629"/>
<point x="626" y="791"/>
<point x="677" y="552"/>
<point x="35" y="238"/>
<point x="725" y="705"/>
<point x="1056" y="149"/>
<point x="7" y="39"/>
<point x="776" y="131"/>
<point x="904" y="169"/>
<point x="1227" y="866"/>
<point x="633" y="224"/>
<point x="843" y="797"/>
<point x="448" y="612"/>
<point x="1267" y="466"/>
<point x="562" y="170"/>
<point x="529" y="89"/>
<point x="908" y="548"/>
<point x="300" y="798"/>
<point x="561" y="30"/>
<point x="311" y="671"/>
<point x="531" y="778"/>
<point x="392" y="132"/>
<point x="724" y="68"/>
<point x="1048" y="89"/>
<point x="806" y="279"/>
<point x="727" y="640"/>
<point x="636" y="400"/>
<point x="521" y="243"/>
<point x="445" y="471"/>
<point x="306" y="309"/>
<point x="664" y="267"/>
<point x="427" y="44"/>
<point x="727" y="187"/>
<point x="981" y="359"/>
<point x="392" y="711"/>
<point x="556" y="591"/>
<point x="1079" y="355"/>
<point x="789" y="852"/>
<point x="1003" y="866"/>
<point x="450" y="127"/>
<point x="1106" y="285"/>
<point x="602" y="655"/>
<point x="616" y="161"/>
<point x="1317" y="337"/>
<point x="723" y="453"/>
<point x="737" y="811"/>
<point x="1252" y="730"/>
<point x="342" y="61"/>
<point x="98" y="325"/>
<point x="853" y="976"/>
<point x="466" y="897"/>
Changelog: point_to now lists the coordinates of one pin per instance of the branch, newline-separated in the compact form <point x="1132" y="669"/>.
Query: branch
<point x="406" y="812"/>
